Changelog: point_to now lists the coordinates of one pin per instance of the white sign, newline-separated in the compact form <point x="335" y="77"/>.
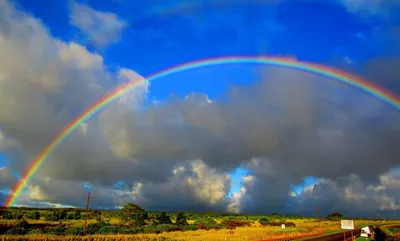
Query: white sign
<point x="283" y="226"/>
<point x="347" y="224"/>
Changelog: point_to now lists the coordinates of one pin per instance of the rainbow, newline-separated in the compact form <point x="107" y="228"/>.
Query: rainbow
<point x="346" y="78"/>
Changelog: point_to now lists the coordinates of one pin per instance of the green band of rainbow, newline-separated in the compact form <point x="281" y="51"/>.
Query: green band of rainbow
<point x="335" y="74"/>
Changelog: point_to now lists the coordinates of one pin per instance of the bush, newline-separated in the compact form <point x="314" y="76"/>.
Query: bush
<point x="12" y="215"/>
<point x="334" y="216"/>
<point x="22" y="224"/>
<point x="232" y="224"/>
<point x="167" y="228"/>
<point x="290" y="224"/>
<point x="35" y="231"/>
<point x="77" y="215"/>
<point x="205" y="221"/>
<point x="132" y="230"/>
<point x="16" y="231"/>
<point x="33" y="215"/>
<point x="163" y="218"/>
<point x="110" y="230"/>
<point x="181" y="219"/>
<point x="58" y="230"/>
<point x="94" y="227"/>
<point x="264" y="221"/>
<point x="191" y="227"/>
<point x="151" y="229"/>
<point x="52" y="216"/>
<point x="74" y="231"/>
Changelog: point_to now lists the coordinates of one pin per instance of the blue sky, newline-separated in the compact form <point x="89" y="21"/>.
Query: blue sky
<point x="150" y="37"/>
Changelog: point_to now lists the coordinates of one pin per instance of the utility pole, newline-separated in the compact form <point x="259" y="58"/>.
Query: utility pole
<point x="316" y="214"/>
<point x="87" y="212"/>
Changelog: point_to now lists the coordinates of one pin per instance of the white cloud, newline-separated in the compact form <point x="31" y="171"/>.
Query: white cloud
<point x="102" y="28"/>
<point x="368" y="8"/>
<point x="44" y="84"/>
<point x="207" y="184"/>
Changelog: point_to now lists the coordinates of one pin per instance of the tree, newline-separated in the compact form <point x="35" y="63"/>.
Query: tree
<point x="96" y="214"/>
<point x="33" y="215"/>
<point x="77" y="215"/>
<point x="163" y="218"/>
<point x="63" y="214"/>
<point x="334" y="216"/>
<point x="22" y="224"/>
<point x="140" y="218"/>
<point x="36" y="215"/>
<point x="133" y="214"/>
<point x="181" y="219"/>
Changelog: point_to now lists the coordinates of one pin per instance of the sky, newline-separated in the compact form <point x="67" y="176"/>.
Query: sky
<point x="242" y="138"/>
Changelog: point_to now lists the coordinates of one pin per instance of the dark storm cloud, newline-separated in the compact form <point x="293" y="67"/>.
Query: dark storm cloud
<point x="285" y="117"/>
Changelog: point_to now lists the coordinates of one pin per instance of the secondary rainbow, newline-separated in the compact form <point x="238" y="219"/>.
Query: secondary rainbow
<point x="322" y="70"/>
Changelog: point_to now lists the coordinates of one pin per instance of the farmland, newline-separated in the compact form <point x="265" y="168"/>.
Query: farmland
<point x="134" y="223"/>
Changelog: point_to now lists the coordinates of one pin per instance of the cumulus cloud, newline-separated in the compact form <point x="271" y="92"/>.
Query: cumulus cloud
<point x="102" y="28"/>
<point x="287" y="125"/>
<point x="46" y="83"/>
<point x="193" y="185"/>
<point x="345" y="194"/>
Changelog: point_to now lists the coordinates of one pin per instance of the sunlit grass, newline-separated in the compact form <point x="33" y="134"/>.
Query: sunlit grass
<point x="255" y="232"/>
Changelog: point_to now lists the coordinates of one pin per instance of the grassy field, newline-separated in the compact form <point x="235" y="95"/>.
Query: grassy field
<point x="107" y="227"/>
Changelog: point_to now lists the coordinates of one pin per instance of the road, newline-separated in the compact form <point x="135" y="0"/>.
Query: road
<point x="337" y="237"/>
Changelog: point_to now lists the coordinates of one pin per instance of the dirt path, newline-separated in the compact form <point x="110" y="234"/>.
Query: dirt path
<point x="336" y="237"/>
<point x="332" y="237"/>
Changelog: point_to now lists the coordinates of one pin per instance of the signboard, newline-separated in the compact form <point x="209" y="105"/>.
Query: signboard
<point x="347" y="224"/>
<point x="283" y="226"/>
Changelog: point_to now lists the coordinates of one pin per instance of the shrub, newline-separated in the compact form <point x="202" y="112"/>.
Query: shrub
<point x="74" y="231"/>
<point x="16" y="231"/>
<point x="232" y="224"/>
<point x="290" y="224"/>
<point x="215" y="226"/>
<point x="167" y="228"/>
<point x="181" y="219"/>
<point x="35" y="231"/>
<point x="151" y="229"/>
<point x="191" y="227"/>
<point x="264" y="221"/>
<point x="110" y="230"/>
<point x="77" y="215"/>
<point x="12" y="215"/>
<point x="33" y="215"/>
<point x="22" y="224"/>
<point x="205" y="221"/>
<point x="95" y="227"/>
<point x="132" y="230"/>
<point x="58" y="230"/>
<point x="52" y="216"/>
<point x="163" y="218"/>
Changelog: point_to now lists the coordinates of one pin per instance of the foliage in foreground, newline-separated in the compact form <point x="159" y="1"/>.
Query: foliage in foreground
<point x="84" y="238"/>
<point x="134" y="220"/>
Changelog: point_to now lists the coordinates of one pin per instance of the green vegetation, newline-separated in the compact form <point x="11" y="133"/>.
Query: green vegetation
<point x="133" y="219"/>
